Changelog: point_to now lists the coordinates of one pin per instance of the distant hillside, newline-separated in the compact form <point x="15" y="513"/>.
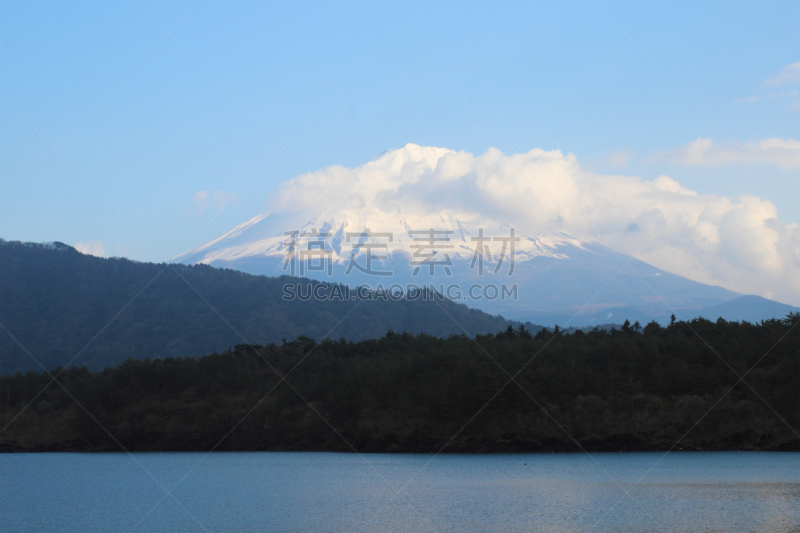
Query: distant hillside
<point x="752" y="309"/>
<point x="55" y="301"/>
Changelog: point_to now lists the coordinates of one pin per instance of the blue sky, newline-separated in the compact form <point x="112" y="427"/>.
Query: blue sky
<point x="150" y="122"/>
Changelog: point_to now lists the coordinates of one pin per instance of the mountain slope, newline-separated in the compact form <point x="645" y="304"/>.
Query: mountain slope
<point x="750" y="308"/>
<point x="59" y="303"/>
<point x="555" y="274"/>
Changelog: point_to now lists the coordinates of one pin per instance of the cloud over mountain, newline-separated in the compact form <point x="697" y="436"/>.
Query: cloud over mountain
<point x="737" y="243"/>
<point x="91" y="248"/>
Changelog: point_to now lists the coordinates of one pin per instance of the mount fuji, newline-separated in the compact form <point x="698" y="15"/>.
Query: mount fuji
<point x="388" y="206"/>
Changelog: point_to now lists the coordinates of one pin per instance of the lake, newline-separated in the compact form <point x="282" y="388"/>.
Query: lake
<point x="302" y="492"/>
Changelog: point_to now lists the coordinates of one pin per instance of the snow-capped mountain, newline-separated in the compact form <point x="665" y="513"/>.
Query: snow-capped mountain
<point x="390" y="216"/>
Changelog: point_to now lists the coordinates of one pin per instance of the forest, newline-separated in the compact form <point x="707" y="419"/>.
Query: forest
<point x="697" y="385"/>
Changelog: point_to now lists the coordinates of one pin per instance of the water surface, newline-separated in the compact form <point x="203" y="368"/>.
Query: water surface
<point x="301" y="492"/>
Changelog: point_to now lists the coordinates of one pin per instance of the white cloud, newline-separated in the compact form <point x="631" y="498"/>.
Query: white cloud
<point x="218" y="199"/>
<point x="784" y="153"/>
<point x="200" y="199"/>
<point x="773" y="97"/>
<point x="750" y="99"/>
<point x="619" y="159"/>
<point x="789" y="74"/>
<point x="735" y="242"/>
<point x="91" y="248"/>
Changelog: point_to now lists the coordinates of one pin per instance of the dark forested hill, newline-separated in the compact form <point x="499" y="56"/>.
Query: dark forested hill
<point x="677" y="387"/>
<point x="59" y="303"/>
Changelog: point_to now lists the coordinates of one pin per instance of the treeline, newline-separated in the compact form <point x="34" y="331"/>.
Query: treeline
<point x="632" y="389"/>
